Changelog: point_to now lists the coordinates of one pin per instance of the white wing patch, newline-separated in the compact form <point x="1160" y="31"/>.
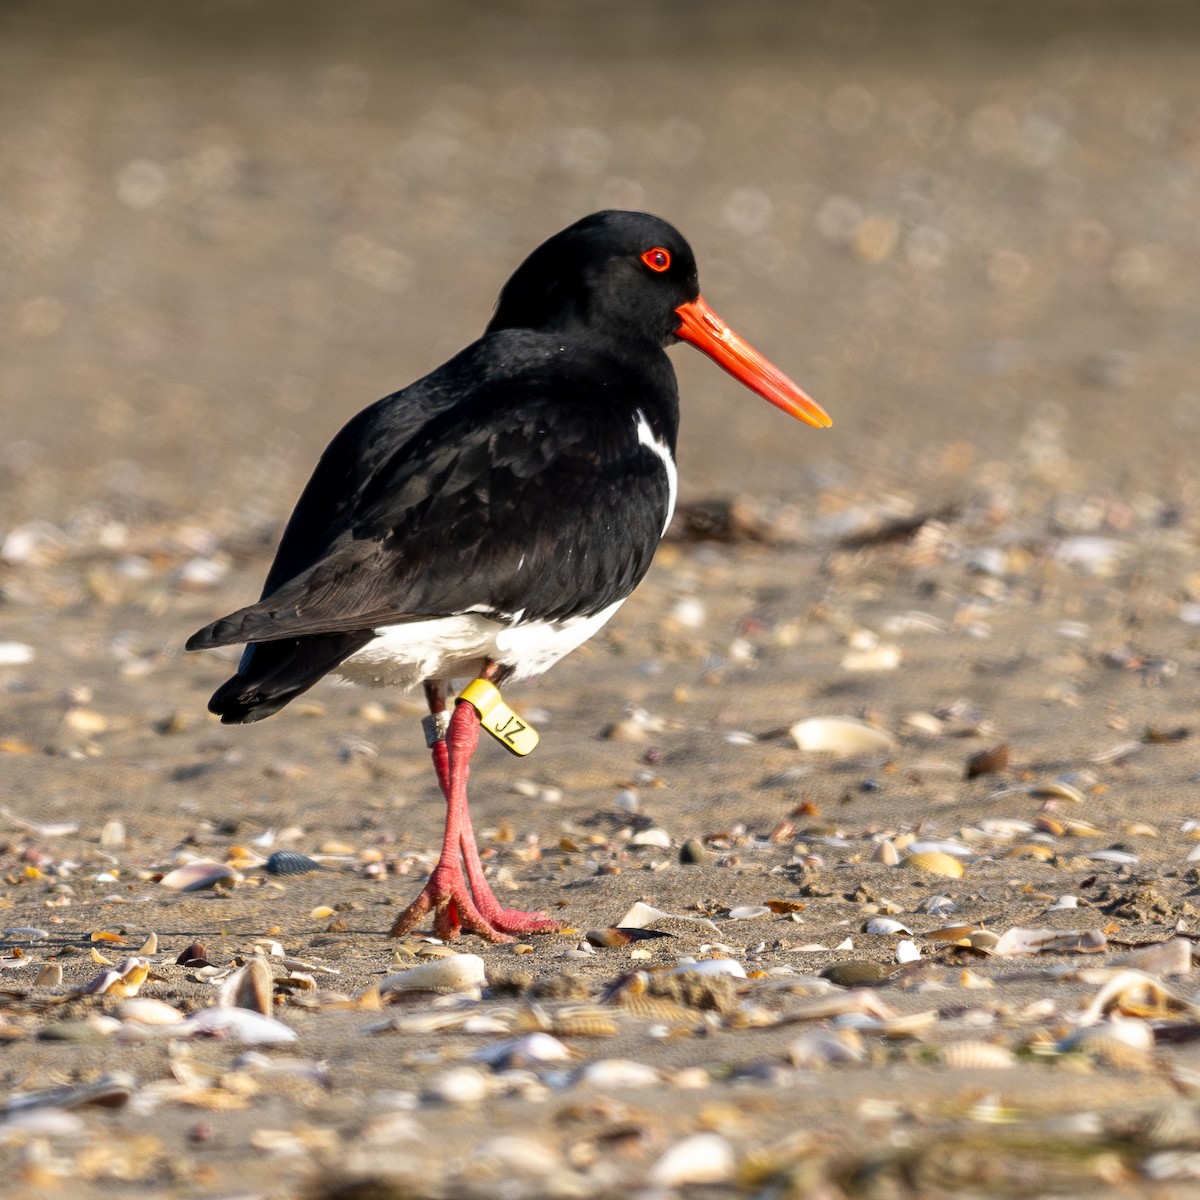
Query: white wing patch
<point x="657" y="446"/>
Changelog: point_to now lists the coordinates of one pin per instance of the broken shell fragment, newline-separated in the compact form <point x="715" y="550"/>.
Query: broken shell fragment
<point x="841" y="736"/>
<point x="122" y="980"/>
<point x="456" y="973"/>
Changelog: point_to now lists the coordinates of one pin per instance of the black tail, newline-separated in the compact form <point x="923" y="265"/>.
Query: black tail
<point x="273" y="673"/>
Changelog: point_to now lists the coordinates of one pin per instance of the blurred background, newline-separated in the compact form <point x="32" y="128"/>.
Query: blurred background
<point x="970" y="230"/>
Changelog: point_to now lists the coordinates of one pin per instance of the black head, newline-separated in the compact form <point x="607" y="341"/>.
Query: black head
<point x="620" y="274"/>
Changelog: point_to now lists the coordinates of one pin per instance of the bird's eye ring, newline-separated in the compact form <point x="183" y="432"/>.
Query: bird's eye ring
<point x="657" y="259"/>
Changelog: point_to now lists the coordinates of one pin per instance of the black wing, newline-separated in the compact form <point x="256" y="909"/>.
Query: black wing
<point x="511" y="480"/>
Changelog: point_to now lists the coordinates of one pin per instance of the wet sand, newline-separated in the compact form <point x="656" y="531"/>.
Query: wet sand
<point x="976" y="247"/>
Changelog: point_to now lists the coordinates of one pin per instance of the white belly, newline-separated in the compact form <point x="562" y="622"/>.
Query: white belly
<point x="458" y="647"/>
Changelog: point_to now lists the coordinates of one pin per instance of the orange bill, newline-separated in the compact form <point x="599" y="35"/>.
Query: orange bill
<point x="702" y="328"/>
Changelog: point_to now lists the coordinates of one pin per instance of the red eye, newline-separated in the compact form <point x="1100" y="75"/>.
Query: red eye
<point x="657" y="259"/>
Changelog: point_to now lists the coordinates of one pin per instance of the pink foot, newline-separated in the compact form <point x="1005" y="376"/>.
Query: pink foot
<point x="459" y="901"/>
<point x="510" y="920"/>
<point x="448" y="897"/>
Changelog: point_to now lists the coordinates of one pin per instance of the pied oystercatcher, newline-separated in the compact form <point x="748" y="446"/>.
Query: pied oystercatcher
<point x="492" y="516"/>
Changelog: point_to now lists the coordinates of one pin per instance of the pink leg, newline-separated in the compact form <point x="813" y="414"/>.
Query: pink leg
<point x="459" y="902"/>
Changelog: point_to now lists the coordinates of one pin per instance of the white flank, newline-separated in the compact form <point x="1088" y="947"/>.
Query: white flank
<point x="457" y="647"/>
<point x="660" y="448"/>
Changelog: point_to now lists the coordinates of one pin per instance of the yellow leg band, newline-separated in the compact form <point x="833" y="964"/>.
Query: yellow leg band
<point x="498" y="719"/>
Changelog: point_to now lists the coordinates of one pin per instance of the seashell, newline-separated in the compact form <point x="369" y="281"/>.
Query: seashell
<point x="1123" y="1042"/>
<point x="987" y="762"/>
<point x="519" y="1161"/>
<point x="290" y="862"/>
<point x="618" y="1073"/>
<point x="1057" y="789"/>
<point x="85" y="721"/>
<point x="951" y="933"/>
<point x="51" y="975"/>
<point x="193" y="955"/>
<point x="251" y="987"/>
<point x="145" y="1010"/>
<point x="977" y="1056"/>
<point x="1032" y="850"/>
<point x="885" y="925"/>
<point x="938" y="906"/>
<point x="112" y="836"/>
<point x="122" y="980"/>
<point x="693" y="852"/>
<point x="907" y="951"/>
<point x="968" y="979"/>
<point x="460" y="1086"/>
<point x="934" y="862"/>
<point x="94" y="1028"/>
<point x="26" y="931"/>
<point x="858" y="973"/>
<point x="528" y="1050"/>
<point x="42" y="1123"/>
<point x="841" y="736"/>
<point x="1064" y="902"/>
<point x="463" y="973"/>
<point x="748" y="912"/>
<point x="1049" y="941"/>
<point x="1134" y="993"/>
<point x="641" y="915"/>
<point x="47" y="829"/>
<point x="819" y="1048"/>
<point x="886" y="853"/>
<point x="1165" y="959"/>
<point x="886" y="656"/>
<point x="250" y="1028"/>
<point x="203" y="873"/>
<point x="958" y="849"/>
<point x="1112" y="856"/>
<point x="15" y="654"/>
<point x="583" y="1021"/>
<point x="113" y="1090"/>
<point x="149" y="946"/>
<point x="658" y="838"/>
<point x="711" y="966"/>
<point x="703" y="1158"/>
<point x="924" y="722"/>
<point x="1093" y="555"/>
<point x="1004" y="827"/>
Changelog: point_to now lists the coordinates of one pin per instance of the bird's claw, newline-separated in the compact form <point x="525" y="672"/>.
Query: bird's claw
<point x="454" y="909"/>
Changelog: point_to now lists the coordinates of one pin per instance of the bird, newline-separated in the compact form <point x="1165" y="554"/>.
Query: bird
<point x="489" y="518"/>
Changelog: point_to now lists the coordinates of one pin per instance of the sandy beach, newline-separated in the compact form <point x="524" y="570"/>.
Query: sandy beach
<point x="973" y="240"/>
